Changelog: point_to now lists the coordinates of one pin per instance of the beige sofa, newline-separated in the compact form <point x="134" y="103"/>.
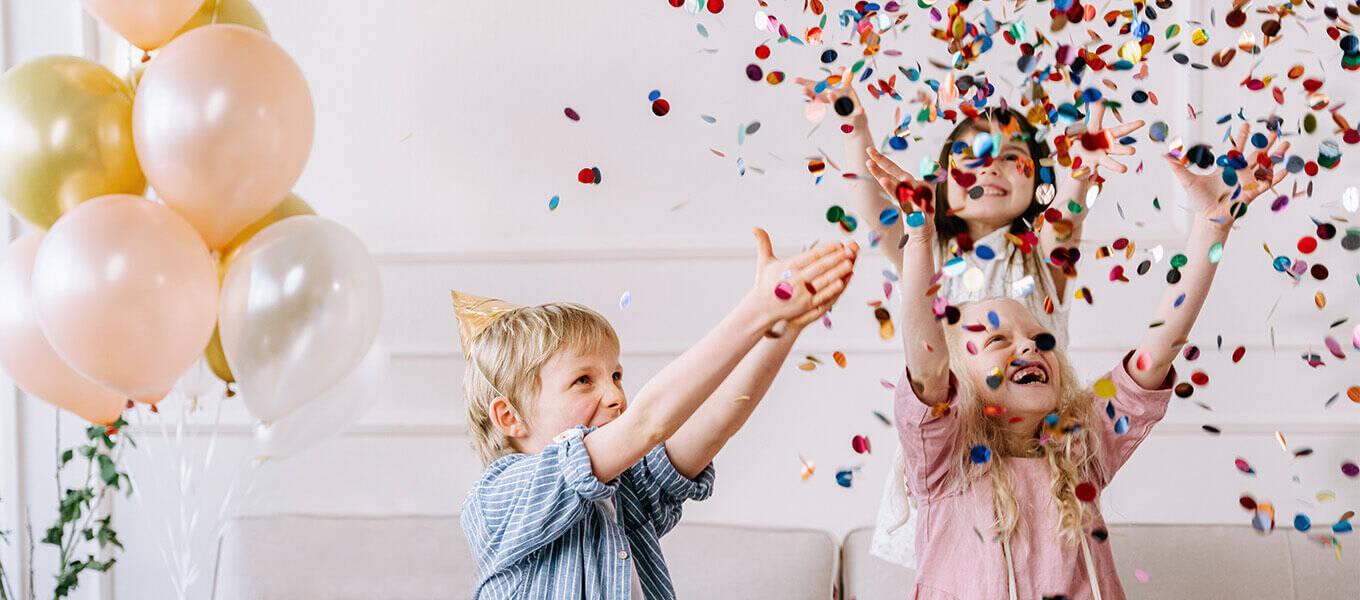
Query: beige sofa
<point x="415" y="558"/>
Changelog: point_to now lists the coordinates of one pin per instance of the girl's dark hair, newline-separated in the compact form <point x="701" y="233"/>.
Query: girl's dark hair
<point x="947" y="226"/>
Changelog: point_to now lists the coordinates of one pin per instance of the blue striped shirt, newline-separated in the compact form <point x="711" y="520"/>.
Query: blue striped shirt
<point x="538" y="533"/>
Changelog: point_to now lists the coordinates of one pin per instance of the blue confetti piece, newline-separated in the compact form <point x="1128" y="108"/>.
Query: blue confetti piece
<point x="1302" y="522"/>
<point x="845" y="477"/>
<point x="1121" y="425"/>
<point x="702" y="30"/>
<point x="993" y="319"/>
<point x="1341" y="527"/>
<point x="984" y="252"/>
<point x="980" y="454"/>
<point x="888" y="216"/>
<point x="1051" y="419"/>
<point x="897" y="142"/>
<point x="653" y="95"/>
<point x="1109" y="409"/>
<point x="1179" y="300"/>
<point x="552" y="204"/>
<point x="708" y="119"/>
<point x="625" y="300"/>
<point x="916" y="219"/>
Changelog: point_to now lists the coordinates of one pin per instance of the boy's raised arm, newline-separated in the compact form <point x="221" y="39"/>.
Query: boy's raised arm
<point x="781" y="292"/>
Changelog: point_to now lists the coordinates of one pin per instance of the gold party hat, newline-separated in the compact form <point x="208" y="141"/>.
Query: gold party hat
<point x="475" y="313"/>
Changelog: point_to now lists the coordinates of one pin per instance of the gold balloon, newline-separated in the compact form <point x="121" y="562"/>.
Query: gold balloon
<point x="65" y="137"/>
<point x="291" y="206"/>
<point x="217" y="12"/>
<point x="217" y="360"/>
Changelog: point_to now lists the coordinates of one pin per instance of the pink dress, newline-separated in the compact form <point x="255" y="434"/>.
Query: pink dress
<point x="957" y="554"/>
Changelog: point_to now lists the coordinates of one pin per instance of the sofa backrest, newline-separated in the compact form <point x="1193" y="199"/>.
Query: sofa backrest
<point x="419" y="558"/>
<point x="1179" y="561"/>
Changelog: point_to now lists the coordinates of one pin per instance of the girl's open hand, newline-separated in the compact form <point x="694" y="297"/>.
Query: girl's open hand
<point x="911" y="194"/>
<point x="834" y="91"/>
<point x="788" y="289"/>
<point x="1213" y="199"/>
<point x="1093" y="149"/>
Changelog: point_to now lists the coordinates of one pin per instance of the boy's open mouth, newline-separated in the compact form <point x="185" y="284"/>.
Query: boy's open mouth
<point x="1030" y="374"/>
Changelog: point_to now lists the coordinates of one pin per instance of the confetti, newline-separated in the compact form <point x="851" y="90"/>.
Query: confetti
<point x="625" y="300"/>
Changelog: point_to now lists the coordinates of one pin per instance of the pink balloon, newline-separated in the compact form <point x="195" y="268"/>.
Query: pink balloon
<point x="223" y="124"/>
<point x="28" y="358"/>
<point x="148" y="24"/>
<point x="126" y="293"/>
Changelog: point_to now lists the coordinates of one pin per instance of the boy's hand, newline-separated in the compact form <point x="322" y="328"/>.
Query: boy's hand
<point x="1212" y="199"/>
<point x="798" y="323"/>
<point x="1097" y="144"/>
<point x="840" y="86"/>
<point x="788" y="289"/>
<point x="909" y="193"/>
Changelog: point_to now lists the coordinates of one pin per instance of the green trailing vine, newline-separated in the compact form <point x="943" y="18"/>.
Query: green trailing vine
<point x="77" y="514"/>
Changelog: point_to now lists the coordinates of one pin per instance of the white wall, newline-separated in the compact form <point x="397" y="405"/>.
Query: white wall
<point x="440" y="139"/>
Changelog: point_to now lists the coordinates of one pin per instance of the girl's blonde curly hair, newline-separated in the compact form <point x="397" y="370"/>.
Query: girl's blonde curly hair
<point x="1072" y="454"/>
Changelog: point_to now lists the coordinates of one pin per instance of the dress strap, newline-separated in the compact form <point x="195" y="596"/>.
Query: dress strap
<point x="1010" y="568"/>
<point x="1090" y="569"/>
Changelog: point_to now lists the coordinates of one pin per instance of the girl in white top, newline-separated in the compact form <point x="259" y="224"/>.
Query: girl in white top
<point x="1006" y="225"/>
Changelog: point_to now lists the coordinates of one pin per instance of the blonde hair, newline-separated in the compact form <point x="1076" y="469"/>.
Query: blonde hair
<point x="1071" y="453"/>
<point x="504" y="360"/>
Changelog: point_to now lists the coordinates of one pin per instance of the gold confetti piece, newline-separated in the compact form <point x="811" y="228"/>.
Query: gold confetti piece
<point x="1279" y="437"/>
<point x="1325" y="496"/>
<point x="808" y="366"/>
<point x="1320" y="300"/>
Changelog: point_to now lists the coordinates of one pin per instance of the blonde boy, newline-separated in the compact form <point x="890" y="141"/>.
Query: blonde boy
<point x="579" y="485"/>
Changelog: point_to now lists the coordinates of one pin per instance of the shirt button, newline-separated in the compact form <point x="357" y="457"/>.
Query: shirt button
<point x="623" y="555"/>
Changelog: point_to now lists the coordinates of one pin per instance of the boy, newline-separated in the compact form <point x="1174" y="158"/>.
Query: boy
<point x="578" y="490"/>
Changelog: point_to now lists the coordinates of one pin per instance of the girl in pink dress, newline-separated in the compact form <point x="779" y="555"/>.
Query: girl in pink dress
<point x="1005" y="452"/>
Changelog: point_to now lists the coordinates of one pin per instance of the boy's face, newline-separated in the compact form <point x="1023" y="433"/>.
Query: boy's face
<point x="1027" y="380"/>
<point x="576" y="387"/>
<point x="1006" y="185"/>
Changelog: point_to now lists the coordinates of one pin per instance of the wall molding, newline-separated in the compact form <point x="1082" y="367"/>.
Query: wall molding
<point x="573" y="250"/>
<point x="1179" y="427"/>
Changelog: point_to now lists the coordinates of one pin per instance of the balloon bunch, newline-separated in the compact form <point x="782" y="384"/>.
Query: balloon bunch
<point x="116" y="292"/>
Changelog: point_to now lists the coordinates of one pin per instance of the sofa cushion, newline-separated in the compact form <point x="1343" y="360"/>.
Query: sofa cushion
<point x="726" y="561"/>
<point x="1318" y="575"/>
<point x="1201" y="561"/>
<point x="868" y="577"/>
<point x="417" y="558"/>
<point x="335" y="558"/>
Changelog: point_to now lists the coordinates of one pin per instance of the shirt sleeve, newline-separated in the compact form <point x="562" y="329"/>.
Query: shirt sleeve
<point x="662" y="491"/>
<point x="928" y="436"/>
<point x="525" y="501"/>
<point x="1133" y="411"/>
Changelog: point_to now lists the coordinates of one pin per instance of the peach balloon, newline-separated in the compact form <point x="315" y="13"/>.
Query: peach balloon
<point x="126" y="293"/>
<point x="148" y="24"/>
<point x="29" y="359"/>
<point x="223" y="124"/>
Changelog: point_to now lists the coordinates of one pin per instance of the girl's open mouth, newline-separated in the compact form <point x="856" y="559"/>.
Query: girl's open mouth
<point x="1030" y="374"/>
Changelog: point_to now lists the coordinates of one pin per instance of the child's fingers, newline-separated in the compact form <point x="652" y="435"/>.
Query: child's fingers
<point x="821" y="266"/>
<point x="764" y="251"/>
<point x="1120" y="150"/>
<point x="827" y="294"/>
<point x="836" y="273"/>
<point x="1097" y="116"/>
<point x="1125" y="129"/>
<point x="1240" y="140"/>
<point x="889" y="166"/>
<point x="1281" y="150"/>
<point x="807" y="257"/>
<point x="1112" y="164"/>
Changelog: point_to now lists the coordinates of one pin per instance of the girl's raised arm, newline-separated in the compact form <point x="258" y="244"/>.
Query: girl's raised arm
<point x="1214" y="206"/>
<point x="869" y="202"/>
<point x="922" y="335"/>
<point x="1089" y="152"/>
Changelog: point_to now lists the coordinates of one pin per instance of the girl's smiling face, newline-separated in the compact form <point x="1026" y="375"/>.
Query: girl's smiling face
<point x="994" y="193"/>
<point x="1007" y="359"/>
